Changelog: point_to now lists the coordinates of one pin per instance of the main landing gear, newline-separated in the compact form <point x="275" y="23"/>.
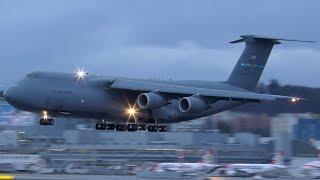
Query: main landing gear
<point x="131" y="127"/>
<point x="45" y="120"/>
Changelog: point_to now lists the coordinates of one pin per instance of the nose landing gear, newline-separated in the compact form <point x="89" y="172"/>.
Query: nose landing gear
<point x="45" y="120"/>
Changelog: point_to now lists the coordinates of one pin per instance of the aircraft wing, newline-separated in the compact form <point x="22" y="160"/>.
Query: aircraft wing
<point x="181" y="91"/>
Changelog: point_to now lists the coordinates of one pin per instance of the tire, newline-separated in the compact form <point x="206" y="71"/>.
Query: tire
<point x="41" y="122"/>
<point x="124" y="127"/>
<point x="142" y="127"/>
<point x="163" y="128"/>
<point x="121" y="127"/>
<point x="100" y="126"/>
<point x="152" y="128"/>
<point x="132" y="127"/>
<point x="118" y="127"/>
<point x="111" y="126"/>
<point x="104" y="126"/>
<point x="155" y="128"/>
<point x="50" y="121"/>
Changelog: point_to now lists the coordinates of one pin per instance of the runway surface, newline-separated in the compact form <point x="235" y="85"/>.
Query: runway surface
<point x="98" y="177"/>
<point x="67" y="177"/>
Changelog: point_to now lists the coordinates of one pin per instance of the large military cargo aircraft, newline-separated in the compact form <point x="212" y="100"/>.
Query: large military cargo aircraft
<point x="127" y="104"/>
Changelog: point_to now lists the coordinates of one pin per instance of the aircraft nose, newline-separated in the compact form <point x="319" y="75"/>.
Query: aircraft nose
<point x="6" y="94"/>
<point x="18" y="97"/>
<point x="9" y="95"/>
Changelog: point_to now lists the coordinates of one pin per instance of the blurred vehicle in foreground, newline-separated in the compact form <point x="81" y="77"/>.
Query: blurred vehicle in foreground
<point x="21" y="162"/>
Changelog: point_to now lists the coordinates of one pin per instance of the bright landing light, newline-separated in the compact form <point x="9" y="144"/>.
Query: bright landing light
<point x="81" y="73"/>
<point x="45" y="115"/>
<point x="294" y="100"/>
<point x="131" y="111"/>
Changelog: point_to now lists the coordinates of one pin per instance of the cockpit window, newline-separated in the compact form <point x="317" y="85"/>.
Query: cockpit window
<point x="33" y="75"/>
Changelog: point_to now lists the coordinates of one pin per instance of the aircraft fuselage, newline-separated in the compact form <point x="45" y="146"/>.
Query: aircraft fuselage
<point x="63" y="94"/>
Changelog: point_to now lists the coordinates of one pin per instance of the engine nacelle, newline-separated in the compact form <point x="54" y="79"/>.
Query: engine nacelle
<point x="192" y="104"/>
<point x="151" y="101"/>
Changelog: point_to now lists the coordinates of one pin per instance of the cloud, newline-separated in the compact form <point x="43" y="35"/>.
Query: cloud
<point x="179" y="39"/>
<point x="298" y="66"/>
<point x="187" y="60"/>
<point x="183" y="61"/>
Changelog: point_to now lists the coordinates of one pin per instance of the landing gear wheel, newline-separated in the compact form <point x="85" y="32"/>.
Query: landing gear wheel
<point x="46" y="122"/>
<point x="101" y="126"/>
<point x="111" y="126"/>
<point x="121" y="127"/>
<point x="41" y="122"/>
<point x="152" y="128"/>
<point x="163" y="128"/>
<point x="51" y="121"/>
<point x="132" y="127"/>
<point x="142" y="127"/>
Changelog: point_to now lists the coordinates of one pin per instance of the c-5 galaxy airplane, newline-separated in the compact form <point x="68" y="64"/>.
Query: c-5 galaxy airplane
<point x="127" y="104"/>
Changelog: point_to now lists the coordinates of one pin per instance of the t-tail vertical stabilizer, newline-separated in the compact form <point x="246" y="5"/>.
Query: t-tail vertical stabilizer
<point x="248" y="70"/>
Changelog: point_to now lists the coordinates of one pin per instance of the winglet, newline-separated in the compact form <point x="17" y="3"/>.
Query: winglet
<point x="272" y="39"/>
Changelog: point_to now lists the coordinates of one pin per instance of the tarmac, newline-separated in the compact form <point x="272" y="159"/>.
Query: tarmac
<point x="28" y="176"/>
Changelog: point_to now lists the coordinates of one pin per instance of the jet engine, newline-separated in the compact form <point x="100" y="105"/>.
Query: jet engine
<point x="192" y="104"/>
<point x="151" y="100"/>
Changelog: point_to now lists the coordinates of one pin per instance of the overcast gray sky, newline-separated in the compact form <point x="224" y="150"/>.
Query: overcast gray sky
<point x="179" y="39"/>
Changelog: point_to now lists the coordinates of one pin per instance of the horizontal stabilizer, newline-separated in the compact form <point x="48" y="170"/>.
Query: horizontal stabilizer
<point x="272" y="39"/>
